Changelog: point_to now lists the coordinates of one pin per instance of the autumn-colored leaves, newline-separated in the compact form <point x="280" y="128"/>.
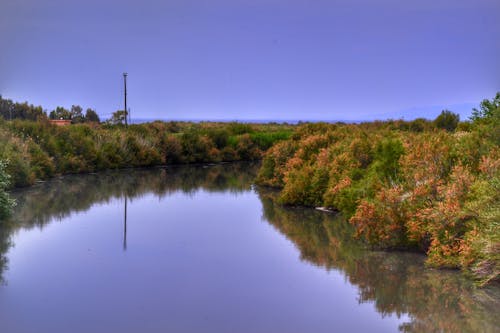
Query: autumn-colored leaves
<point x="399" y="188"/>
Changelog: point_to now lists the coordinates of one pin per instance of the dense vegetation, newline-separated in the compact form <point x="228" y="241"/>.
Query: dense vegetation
<point x="427" y="186"/>
<point x="11" y="110"/>
<point x="5" y="202"/>
<point x="32" y="148"/>
<point x="40" y="150"/>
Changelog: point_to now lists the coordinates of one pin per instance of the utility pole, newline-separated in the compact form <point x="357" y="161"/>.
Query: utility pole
<point x="125" y="95"/>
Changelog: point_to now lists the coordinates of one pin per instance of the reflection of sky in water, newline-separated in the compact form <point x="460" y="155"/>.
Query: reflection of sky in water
<point x="197" y="262"/>
<point x="206" y="252"/>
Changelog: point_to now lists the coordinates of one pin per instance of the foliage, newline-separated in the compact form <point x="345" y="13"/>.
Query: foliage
<point x="403" y="185"/>
<point x="118" y="117"/>
<point x="447" y="120"/>
<point x="6" y="203"/>
<point x="480" y="247"/>
<point x="11" y="110"/>
<point x="92" y="116"/>
<point x="272" y="171"/>
<point x="76" y="114"/>
<point x="40" y="150"/>
<point x="486" y="120"/>
<point x="386" y="159"/>
<point x="488" y="110"/>
<point x="60" y="113"/>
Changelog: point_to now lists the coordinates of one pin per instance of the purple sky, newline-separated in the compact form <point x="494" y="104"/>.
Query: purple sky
<point x="253" y="59"/>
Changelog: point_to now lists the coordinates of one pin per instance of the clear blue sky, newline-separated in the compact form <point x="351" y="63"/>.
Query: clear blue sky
<point x="253" y="59"/>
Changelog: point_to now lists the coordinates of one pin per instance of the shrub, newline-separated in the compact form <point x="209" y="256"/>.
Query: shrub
<point x="6" y="203"/>
<point x="247" y="150"/>
<point x="447" y="120"/>
<point x="386" y="161"/>
<point x="219" y="137"/>
<point x="173" y="150"/>
<point x="239" y="128"/>
<point x="402" y="185"/>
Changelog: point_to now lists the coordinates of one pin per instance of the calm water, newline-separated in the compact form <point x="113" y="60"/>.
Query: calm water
<point x="198" y="249"/>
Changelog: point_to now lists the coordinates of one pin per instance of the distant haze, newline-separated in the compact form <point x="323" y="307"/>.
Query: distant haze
<point x="345" y="60"/>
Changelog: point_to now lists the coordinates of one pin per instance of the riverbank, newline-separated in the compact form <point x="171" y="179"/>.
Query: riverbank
<point x="38" y="150"/>
<point x="402" y="187"/>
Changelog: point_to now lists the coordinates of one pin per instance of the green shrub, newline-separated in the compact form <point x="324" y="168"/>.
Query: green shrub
<point x="239" y="128"/>
<point x="219" y="137"/>
<point x="265" y="140"/>
<point x="246" y="148"/>
<point x="6" y="203"/>
<point x="447" y="120"/>
<point x="386" y="160"/>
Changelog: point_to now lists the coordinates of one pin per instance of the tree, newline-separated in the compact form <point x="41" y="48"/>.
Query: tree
<point x="91" y="116"/>
<point x="76" y="114"/>
<point x="487" y="119"/>
<point x="488" y="110"/>
<point x="10" y="110"/>
<point x="60" y="113"/>
<point x="118" y="117"/>
<point x="447" y="120"/>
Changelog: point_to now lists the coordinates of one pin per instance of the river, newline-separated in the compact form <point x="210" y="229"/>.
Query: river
<point x="201" y="249"/>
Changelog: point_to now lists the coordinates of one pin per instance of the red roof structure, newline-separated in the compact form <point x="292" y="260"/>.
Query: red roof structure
<point x="60" y="122"/>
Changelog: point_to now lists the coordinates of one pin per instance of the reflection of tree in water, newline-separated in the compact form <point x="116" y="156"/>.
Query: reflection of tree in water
<point x="59" y="198"/>
<point x="397" y="283"/>
<point x="4" y="246"/>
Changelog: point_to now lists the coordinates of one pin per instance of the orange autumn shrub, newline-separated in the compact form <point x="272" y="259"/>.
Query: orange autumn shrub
<point x="382" y="221"/>
<point x="424" y="189"/>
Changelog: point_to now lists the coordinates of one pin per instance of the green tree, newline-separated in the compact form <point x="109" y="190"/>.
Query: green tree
<point x="447" y="120"/>
<point x="60" y="113"/>
<point x="10" y="110"/>
<point x="487" y="119"/>
<point x="92" y="116"/>
<point x="118" y="117"/>
<point x="6" y="108"/>
<point x="488" y="110"/>
<point x="76" y="114"/>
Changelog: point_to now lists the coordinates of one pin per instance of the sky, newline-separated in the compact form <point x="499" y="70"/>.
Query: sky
<point x="253" y="59"/>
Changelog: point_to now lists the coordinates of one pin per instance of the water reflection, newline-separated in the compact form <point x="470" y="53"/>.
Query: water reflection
<point x="4" y="246"/>
<point x="59" y="198"/>
<point x="398" y="283"/>
<point x="62" y="197"/>
<point x="125" y="199"/>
